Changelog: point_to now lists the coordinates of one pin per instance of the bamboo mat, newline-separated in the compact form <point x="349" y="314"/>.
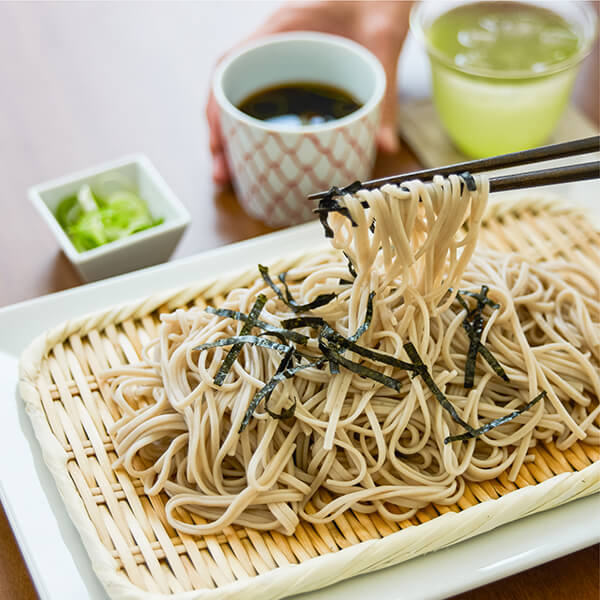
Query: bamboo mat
<point x="131" y="528"/>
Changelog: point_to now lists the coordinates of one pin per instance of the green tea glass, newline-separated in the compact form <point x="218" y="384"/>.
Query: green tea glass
<point x="493" y="108"/>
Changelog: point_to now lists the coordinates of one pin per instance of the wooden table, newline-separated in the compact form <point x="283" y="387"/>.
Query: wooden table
<point x="83" y="83"/>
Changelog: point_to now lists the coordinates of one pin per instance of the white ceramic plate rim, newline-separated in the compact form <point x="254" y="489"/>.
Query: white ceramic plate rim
<point x="51" y="546"/>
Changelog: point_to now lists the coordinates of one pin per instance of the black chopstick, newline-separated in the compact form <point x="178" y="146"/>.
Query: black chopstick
<point x="590" y="170"/>
<point x="543" y="153"/>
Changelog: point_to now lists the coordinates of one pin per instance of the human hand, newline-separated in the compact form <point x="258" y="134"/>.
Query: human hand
<point x="379" y="26"/>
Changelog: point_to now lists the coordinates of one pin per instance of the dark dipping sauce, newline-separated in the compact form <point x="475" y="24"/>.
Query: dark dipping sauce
<point x="296" y="104"/>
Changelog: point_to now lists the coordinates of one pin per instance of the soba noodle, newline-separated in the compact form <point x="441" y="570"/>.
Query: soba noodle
<point x="355" y="443"/>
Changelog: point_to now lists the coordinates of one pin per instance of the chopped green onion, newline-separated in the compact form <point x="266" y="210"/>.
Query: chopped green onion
<point x="91" y="220"/>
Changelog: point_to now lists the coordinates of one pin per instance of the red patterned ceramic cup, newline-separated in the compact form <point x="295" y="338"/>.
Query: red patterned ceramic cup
<point x="275" y="167"/>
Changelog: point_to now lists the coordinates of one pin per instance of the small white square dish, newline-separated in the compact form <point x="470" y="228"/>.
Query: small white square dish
<point x="140" y="249"/>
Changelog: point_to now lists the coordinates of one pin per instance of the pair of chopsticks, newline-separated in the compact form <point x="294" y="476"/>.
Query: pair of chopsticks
<point x="580" y="172"/>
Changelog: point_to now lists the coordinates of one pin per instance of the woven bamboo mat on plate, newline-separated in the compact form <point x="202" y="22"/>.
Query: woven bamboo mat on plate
<point x="137" y="554"/>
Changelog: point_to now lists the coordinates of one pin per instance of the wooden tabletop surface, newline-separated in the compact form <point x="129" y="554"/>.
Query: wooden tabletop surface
<point x="84" y="83"/>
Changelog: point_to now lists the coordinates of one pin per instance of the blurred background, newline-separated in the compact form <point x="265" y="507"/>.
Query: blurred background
<point x="86" y="82"/>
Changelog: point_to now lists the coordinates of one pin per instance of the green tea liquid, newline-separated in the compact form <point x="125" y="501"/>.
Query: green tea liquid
<point x="500" y="93"/>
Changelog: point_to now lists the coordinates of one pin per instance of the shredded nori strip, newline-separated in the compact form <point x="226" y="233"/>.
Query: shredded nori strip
<point x="479" y="297"/>
<point x="352" y="188"/>
<point x="470" y="325"/>
<point x="319" y="322"/>
<point x="338" y="341"/>
<point x="351" y="268"/>
<point x="476" y="318"/>
<point x="474" y="343"/>
<point x="269" y="329"/>
<point x="287" y="413"/>
<point x="341" y="342"/>
<point x="268" y="388"/>
<point x="329" y="204"/>
<point x="372" y="226"/>
<point x="255" y="340"/>
<point x="487" y="355"/>
<point x="435" y="390"/>
<point x="282" y="338"/>
<point x="359" y="369"/>
<point x="469" y="181"/>
<point x="462" y="302"/>
<point x="298" y="322"/>
<point x="334" y="367"/>
<point x="493" y="424"/>
<point x="288" y="295"/>
<point x="320" y="300"/>
<point x="367" y="321"/>
<point x="264" y="271"/>
<point x="236" y="349"/>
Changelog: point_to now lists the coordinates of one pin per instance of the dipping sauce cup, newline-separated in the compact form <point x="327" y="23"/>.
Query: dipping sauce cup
<point x="495" y="111"/>
<point x="276" y="166"/>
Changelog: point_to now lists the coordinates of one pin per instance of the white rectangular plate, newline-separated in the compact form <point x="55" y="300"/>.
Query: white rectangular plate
<point x="51" y="546"/>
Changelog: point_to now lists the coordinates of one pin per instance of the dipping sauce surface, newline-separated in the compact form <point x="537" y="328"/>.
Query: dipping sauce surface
<point x="503" y="37"/>
<point x="297" y="104"/>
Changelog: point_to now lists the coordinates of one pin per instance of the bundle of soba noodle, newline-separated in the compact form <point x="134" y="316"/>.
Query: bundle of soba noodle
<point x="466" y="381"/>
